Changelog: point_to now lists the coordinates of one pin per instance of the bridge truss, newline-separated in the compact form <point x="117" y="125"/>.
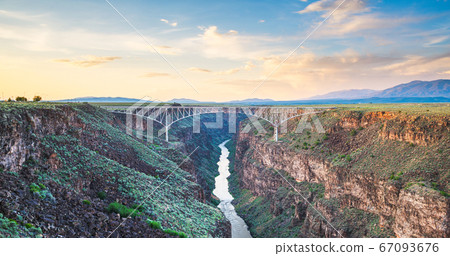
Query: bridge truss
<point x="168" y="115"/>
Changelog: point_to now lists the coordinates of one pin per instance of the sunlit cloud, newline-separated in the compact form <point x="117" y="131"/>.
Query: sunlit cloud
<point x="173" y="24"/>
<point x="436" y="40"/>
<point x="351" y="17"/>
<point x="231" y="45"/>
<point x="20" y="15"/>
<point x="248" y="66"/>
<point x="419" y="65"/>
<point x="88" y="61"/>
<point x="202" y="70"/>
<point x="155" y="74"/>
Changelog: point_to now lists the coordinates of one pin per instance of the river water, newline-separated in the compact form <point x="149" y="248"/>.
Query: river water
<point x="238" y="227"/>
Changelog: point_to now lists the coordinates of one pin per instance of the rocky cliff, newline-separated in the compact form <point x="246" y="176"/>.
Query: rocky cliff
<point x="71" y="171"/>
<point x="372" y="174"/>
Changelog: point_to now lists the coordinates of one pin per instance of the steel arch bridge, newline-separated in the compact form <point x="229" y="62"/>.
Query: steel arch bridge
<point x="168" y="115"/>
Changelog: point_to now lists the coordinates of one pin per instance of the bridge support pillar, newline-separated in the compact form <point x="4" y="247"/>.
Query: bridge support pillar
<point x="167" y="133"/>
<point x="167" y="126"/>
<point x="276" y="133"/>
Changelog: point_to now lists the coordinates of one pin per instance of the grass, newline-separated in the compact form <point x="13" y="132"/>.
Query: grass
<point x="154" y="224"/>
<point x="121" y="209"/>
<point x="175" y="233"/>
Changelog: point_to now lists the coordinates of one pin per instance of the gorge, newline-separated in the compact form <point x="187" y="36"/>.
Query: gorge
<point x="70" y="170"/>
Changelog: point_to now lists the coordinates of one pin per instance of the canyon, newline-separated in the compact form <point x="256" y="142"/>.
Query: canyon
<point x="70" y="170"/>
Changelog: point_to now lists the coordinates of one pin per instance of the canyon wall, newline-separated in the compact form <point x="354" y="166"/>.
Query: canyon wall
<point x="72" y="171"/>
<point x="407" y="206"/>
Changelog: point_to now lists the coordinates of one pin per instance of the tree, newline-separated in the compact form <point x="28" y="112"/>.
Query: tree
<point x="9" y="100"/>
<point x="23" y="99"/>
<point x="37" y="98"/>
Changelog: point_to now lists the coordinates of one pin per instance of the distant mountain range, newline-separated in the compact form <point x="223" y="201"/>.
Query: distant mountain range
<point x="100" y="99"/>
<point x="437" y="88"/>
<point x="415" y="91"/>
<point x="345" y="94"/>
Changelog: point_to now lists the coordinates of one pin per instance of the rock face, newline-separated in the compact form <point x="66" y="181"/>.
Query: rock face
<point x="61" y="168"/>
<point x="413" y="210"/>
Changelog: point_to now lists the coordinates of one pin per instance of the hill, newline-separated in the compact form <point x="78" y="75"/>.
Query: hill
<point x="100" y="99"/>
<point x="346" y="94"/>
<point x="437" y="88"/>
<point x="414" y="89"/>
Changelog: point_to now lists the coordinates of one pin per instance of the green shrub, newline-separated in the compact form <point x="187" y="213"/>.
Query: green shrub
<point x="86" y="202"/>
<point x="1" y="169"/>
<point x="444" y="193"/>
<point x="42" y="186"/>
<point x="154" y="224"/>
<point x="353" y="132"/>
<point x="121" y="209"/>
<point x="34" y="188"/>
<point x="325" y="137"/>
<point x="175" y="233"/>
<point x="21" y="99"/>
<point x="29" y="225"/>
<point x="101" y="195"/>
<point x="138" y="207"/>
<point x="348" y="158"/>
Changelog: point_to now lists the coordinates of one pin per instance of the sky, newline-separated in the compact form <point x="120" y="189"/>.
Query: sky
<point x="218" y="50"/>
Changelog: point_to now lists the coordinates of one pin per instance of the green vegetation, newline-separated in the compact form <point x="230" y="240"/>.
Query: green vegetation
<point x="9" y="228"/>
<point x="86" y="202"/>
<point x="101" y="195"/>
<point x="154" y="224"/>
<point x="138" y="207"/>
<point x="121" y="209"/>
<point x="396" y="176"/>
<point x="21" y="99"/>
<point x="175" y="233"/>
<point x="34" y="188"/>
<point x="37" y="98"/>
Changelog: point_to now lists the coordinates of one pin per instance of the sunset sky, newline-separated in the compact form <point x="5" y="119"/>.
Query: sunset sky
<point x="76" y="48"/>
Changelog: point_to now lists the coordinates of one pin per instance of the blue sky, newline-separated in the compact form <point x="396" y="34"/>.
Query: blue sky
<point x="225" y="49"/>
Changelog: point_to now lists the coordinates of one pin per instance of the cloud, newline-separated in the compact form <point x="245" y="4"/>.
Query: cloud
<point x="173" y="24"/>
<point x="202" y="70"/>
<point x="228" y="72"/>
<point x="20" y="15"/>
<point x="88" y="61"/>
<point x="261" y="21"/>
<point x="351" y="17"/>
<point x="231" y="45"/>
<point x="310" y="74"/>
<point x="155" y="74"/>
<point x="248" y="66"/>
<point x="347" y="8"/>
<point x="435" y="40"/>
<point x="38" y="37"/>
<point x="413" y="65"/>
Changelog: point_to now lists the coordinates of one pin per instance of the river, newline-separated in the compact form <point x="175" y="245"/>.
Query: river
<point x="238" y="227"/>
